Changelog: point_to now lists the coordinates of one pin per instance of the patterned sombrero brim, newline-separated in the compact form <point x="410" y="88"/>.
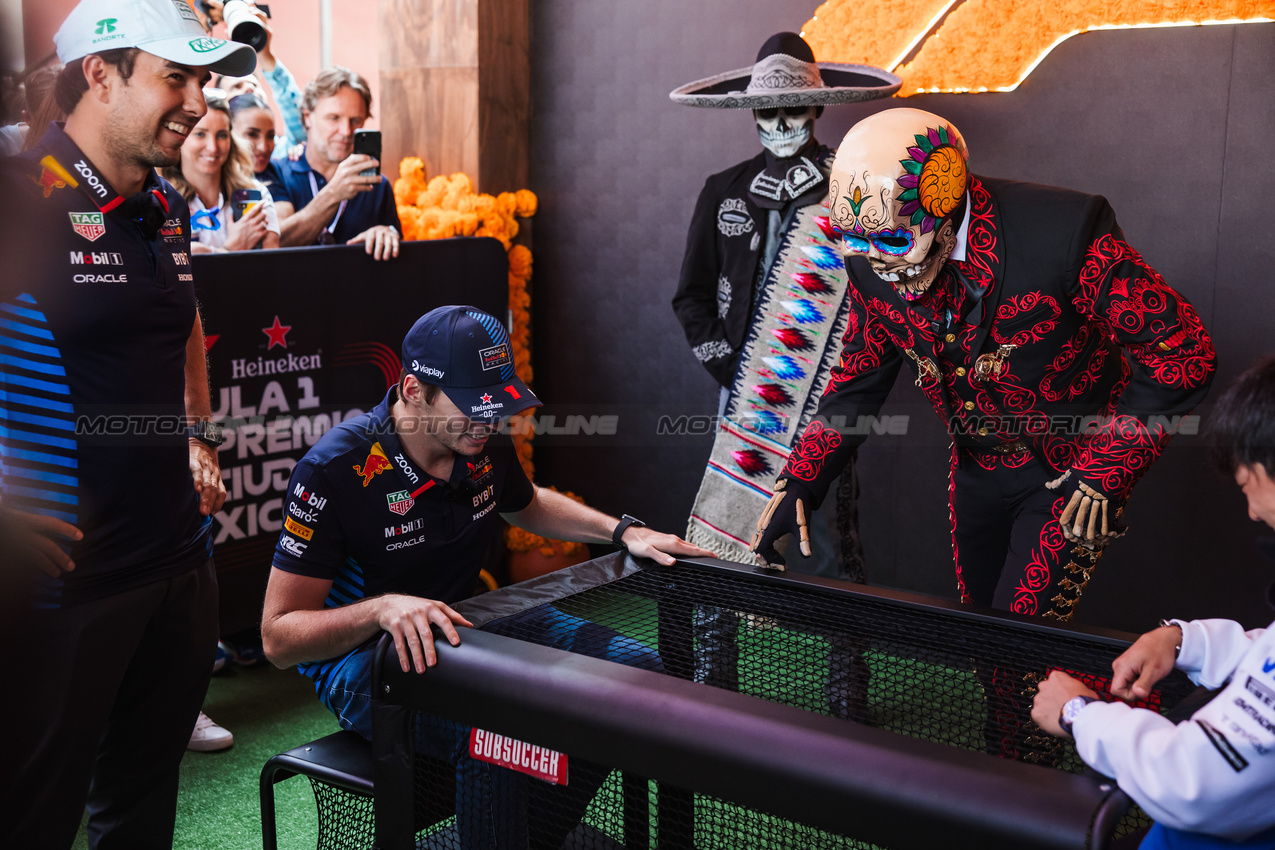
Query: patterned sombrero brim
<point x="842" y="83"/>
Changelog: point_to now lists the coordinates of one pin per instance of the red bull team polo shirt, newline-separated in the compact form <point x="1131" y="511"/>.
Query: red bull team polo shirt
<point x="95" y="314"/>
<point x="362" y="513"/>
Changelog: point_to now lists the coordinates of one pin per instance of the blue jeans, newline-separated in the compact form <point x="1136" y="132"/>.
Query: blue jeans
<point x="1165" y="838"/>
<point x="492" y="802"/>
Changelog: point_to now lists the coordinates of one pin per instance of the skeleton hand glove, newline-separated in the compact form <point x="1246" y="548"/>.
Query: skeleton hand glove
<point x="787" y="512"/>
<point x="1088" y="517"/>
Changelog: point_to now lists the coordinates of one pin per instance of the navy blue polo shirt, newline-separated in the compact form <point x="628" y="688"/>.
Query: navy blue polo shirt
<point x="364" y="210"/>
<point x="272" y="181"/>
<point x="361" y="513"/>
<point x="94" y="321"/>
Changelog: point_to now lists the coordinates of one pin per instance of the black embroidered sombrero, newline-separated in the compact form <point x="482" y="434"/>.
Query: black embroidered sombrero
<point x="786" y="74"/>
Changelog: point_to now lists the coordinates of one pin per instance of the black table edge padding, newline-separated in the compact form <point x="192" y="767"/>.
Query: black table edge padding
<point x="506" y="601"/>
<point x="867" y="783"/>
<point x="904" y="599"/>
<point x="1109" y="814"/>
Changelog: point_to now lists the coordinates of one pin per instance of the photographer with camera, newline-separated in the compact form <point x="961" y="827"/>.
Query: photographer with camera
<point x="332" y="194"/>
<point x="250" y="24"/>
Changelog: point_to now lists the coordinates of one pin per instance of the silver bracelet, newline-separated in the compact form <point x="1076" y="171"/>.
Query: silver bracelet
<point x="1165" y="624"/>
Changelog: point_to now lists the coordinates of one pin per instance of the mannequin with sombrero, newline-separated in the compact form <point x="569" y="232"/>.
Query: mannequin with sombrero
<point x="761" y="289"/>
<point x="762" y="300"/>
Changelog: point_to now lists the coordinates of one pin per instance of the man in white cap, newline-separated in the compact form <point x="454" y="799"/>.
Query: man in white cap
<point x="110" y="464"/>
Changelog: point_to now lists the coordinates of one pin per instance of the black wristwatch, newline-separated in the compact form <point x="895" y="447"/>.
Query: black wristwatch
<point x="625" y="522"/>
<point x="207" y="432"/>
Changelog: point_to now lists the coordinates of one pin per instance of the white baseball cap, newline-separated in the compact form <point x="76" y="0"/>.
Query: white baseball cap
<point x="169" y="29"/>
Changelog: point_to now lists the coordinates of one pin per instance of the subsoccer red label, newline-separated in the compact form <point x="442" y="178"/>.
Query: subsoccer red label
<point x="543" y="764"/>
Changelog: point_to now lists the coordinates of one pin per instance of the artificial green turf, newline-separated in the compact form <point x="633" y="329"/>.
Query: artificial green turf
<point x="218" y="806"/>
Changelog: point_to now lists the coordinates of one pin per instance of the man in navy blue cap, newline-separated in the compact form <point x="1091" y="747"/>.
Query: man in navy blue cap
<point x="388" y="520"/>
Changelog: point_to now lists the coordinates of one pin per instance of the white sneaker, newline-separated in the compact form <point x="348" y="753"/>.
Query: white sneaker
<point x="208" y="737"/>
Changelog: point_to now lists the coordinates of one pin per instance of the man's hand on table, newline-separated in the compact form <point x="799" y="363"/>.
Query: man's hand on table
<point x="660" y="547"/>
<point x="408" y="619"/>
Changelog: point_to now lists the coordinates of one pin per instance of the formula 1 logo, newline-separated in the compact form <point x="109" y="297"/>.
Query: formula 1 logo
<point x="400" y="502"/>
<point x="375" y="464"/>
<point x="92" y="226"/>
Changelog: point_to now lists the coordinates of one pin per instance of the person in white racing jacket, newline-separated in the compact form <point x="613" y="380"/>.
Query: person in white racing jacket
<point x="1210" y="780"/>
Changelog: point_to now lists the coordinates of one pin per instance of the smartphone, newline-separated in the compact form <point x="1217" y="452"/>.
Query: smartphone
<point x="244" y="200"/>
<point x="369" y="142"/>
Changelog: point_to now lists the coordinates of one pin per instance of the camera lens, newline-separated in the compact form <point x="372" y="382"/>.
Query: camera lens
<point x="243" y="25"/>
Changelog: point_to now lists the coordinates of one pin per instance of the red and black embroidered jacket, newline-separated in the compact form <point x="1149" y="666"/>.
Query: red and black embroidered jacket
<point x="1097" y="354"/>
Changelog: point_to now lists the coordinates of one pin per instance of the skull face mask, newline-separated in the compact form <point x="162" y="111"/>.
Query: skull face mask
<point x="785" y="130"/>
<point x="899" y="178"/>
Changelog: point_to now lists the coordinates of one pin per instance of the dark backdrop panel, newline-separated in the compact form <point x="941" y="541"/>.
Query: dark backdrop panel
<point x="1170" y="124"/>
<point x="276" y="392"/>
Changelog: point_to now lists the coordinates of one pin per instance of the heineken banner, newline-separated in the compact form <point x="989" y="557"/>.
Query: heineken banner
<point x="298" y="341"/>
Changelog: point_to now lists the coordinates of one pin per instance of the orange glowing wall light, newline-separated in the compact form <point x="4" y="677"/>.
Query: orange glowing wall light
<point x="990" y="45"/>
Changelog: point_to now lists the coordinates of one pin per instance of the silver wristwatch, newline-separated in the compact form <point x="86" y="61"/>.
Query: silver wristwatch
<point x="1070" y="709"/>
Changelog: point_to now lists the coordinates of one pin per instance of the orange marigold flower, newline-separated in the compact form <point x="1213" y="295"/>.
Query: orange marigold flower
<point x="412" y="168"/>
<point x="520" y="261"/>
<point x="526" y="202"/>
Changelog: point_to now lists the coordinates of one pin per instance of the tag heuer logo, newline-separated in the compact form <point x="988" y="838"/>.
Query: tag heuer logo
<point x="400" y="502"/>
<point x="89" y="225"/>
<point x="106" y="25"/>
<point x="205" y="45"/>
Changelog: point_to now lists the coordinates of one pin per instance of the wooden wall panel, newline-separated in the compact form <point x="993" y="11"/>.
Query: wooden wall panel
<point x="456" y="88"/>
<point x="504" y="94"/>
<point x="429" y="84"/>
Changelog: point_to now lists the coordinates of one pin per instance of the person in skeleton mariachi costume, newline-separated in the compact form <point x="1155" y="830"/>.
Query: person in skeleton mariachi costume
<point x="761" y="283"/>
<point x="1055" y="354"/>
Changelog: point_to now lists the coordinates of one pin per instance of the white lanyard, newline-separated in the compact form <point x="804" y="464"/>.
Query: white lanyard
<point x="314" y="191"/>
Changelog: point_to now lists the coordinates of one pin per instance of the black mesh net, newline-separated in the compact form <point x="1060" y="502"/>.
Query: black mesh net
<point x="346" y="820"/>
<point x="921" y="671"/>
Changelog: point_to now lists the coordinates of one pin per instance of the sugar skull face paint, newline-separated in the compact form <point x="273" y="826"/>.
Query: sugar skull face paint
<point x="785" y="130"/>
<point x="898" y="181"/>
<point x="892" y="243"/>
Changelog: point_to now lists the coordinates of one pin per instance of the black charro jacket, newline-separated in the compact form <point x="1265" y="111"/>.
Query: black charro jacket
<point x="714" y="298"/>
<point x="1105" y="355"/>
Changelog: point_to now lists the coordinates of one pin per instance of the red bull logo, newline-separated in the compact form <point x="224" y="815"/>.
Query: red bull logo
<point x="375" y="464"/>
<point x="53" y="176"/>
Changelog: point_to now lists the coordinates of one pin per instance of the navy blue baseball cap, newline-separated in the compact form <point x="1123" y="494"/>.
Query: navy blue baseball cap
<point x="467" y="353"/>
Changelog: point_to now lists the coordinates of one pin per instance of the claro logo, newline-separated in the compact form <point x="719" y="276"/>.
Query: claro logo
<point x="91" y="178"/>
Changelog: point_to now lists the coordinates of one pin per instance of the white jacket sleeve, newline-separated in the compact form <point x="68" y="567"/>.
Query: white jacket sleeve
<point x="1214" y="773"/>
<point x="1212" y="649"/>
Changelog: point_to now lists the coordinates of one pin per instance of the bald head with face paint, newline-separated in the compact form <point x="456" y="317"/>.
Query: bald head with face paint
<point x="898" y="185"/>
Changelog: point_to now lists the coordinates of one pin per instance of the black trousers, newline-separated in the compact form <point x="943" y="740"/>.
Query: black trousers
<point x="110" y="692"/>
<point x="1010" y="553"/>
